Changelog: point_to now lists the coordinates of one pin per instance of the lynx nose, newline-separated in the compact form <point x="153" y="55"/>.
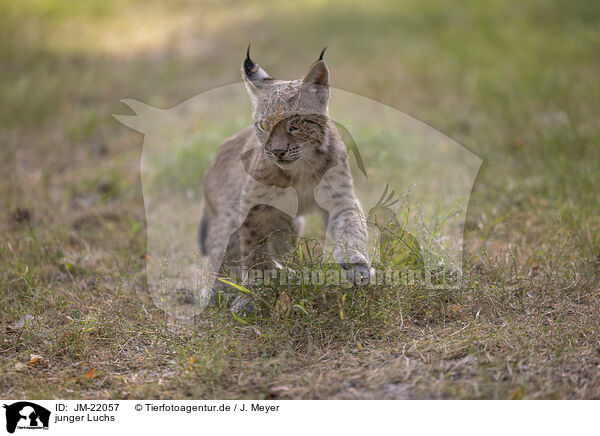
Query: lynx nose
<point x="279" y="153"/>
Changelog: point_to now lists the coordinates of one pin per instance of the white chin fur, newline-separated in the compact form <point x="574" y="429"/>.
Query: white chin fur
<point x="286" y="165"/>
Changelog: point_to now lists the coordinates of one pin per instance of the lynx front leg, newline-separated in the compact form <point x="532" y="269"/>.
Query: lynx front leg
<point x="262" y="207"/>
<point x="265" y="234"/>
<point x="253" y="254"/>
<point x="253" y="235"/>
<point x="345" y="223"/>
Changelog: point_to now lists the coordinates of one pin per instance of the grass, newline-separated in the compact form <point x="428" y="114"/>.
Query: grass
<point x="515" y="83"/>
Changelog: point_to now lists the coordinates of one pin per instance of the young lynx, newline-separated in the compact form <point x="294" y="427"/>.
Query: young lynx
<point x="294" y="147"/>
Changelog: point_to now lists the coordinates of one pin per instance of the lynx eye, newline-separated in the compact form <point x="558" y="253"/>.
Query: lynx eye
<point x="295" y="124"/>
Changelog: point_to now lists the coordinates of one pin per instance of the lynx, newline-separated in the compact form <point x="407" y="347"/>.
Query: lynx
<point x="293" y="144"/>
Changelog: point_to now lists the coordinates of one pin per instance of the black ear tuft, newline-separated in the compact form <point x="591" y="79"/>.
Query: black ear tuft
<point x="248" y="63"/>
<point x="320" y="56"/>
<point x="252" y="71"/>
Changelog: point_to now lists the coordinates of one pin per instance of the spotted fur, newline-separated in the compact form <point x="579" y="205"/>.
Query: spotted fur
<point x="292" y="145"/>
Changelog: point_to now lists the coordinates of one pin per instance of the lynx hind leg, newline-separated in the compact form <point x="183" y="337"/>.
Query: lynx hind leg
<point x="253" y="238"/>
<point x="232" y="261"/>
<point x="267" y="233"/>
<point x="283" y="240"/>
<point x="231" y="267"/>
<point x="216" y="241"/>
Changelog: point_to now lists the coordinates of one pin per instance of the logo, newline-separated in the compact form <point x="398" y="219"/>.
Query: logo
<point x="414" y="198"/>
<point x="26" y="415"/>
<point x="413" y="230"/>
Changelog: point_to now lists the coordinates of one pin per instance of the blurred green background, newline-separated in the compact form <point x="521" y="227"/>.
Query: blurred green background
<point x="515" y="82"/>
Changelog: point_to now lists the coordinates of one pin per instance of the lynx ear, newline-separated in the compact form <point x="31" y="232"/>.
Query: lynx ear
<point x="252" y="72"/>
<point x="318" y="73"/>
<point x="253" y="76"/>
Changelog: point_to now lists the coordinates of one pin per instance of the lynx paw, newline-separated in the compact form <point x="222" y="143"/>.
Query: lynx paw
<point x="243" y="305"/>
<point x="359" y="274"/>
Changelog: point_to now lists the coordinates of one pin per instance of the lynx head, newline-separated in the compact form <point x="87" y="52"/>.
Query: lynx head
<point x="290" y="117"/>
